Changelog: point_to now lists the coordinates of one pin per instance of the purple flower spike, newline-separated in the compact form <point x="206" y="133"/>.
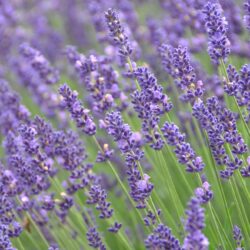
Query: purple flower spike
<point x="177" y="63"/>
<point x="115" y="228"/>
<point x="194" y="225"/>
<point x="162" y="238"/>
<point x="237" y="237"/>
<point x="5" y="242"/>
<point x="204" y="193"/>
<point x="247" y="14"/>
<point x="77" y="111"/>
<point x="140" y="186"/>
<point x="94" y="239"/>
<point x="150" y="103"/>
<point x="216" y="27"/>
<point x="183" y="150"/>
<point x="98" y="196"/>
<point x="117" y="32"/>
<point x="40" y="64"/>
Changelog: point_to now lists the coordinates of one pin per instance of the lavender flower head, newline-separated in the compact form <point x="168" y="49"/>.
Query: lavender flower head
<point x="162" y="238"/>
<point x="140" y="186"/>
<point x="247" y="14"/>
<point x="40" y="64"/>
<point x="77" y="111"/>
<point x="237" y="237"/>
<point x="216" y="27"/>
<point x="195" y="223"/>
<point x="117" y="32"/>
<point x="150" y="103"/>
<point x="94" y="239"/>
<point x="183" y="150"/>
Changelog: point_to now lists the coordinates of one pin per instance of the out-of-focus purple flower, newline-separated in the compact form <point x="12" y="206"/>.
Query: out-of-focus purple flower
<point x="150" y="218"/>
<point x="40" y="64"/>
<point x="105" y="154"/>
<point x="247" y="14"/>
<point x="95" y="9"/>
<point x="237" y="237"/>
<point x="245" y="171"/>
<point x="12" y="112"/>
<point x="162" y="238"/>
<point x="5" y="242"/>
<point x="231" y="87"/>
<point x="117" y="32"/>
<point x="194" y="224"/>
<point x="77" y="111"/>
<point x="204" y="193"/>
<point x="216" y="27"/>
<point x="94" y="239"/>
<point x="115" y="228"/>
<point x="53" y="247"/>
<point x="183" y="150"/>
<point x="131" y="18"/>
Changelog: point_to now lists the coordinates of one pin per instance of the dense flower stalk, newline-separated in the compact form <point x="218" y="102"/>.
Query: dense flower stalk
<point x="140" y="186"/>
<point x="94" y="239"/>
<point x="247" y="14"/>
<point x="117" y="33"/>
<point x="162" y="238"/>
<point x="239" y="87"/>
<point x="237" y="235"/>
<point x="15" y="113"/>
<point x="177" y="63"/>
<point x="77" y="111"/>
<point x="183" y="150"/>
<point x="98" y="196"/>
<point x="40" y="64"/>
<point x="220" y="125"/>
<point x="194" y="224"/>
<point x="99" y="78"/>
<point x="150" y="103"/>
<point x="216" y="28"/>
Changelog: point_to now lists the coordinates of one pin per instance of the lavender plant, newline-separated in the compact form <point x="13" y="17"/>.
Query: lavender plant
<point x="124" y="125"/>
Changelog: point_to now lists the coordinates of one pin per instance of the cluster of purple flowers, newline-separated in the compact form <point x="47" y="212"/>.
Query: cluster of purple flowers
<point x="99" y="78"/>
<point x="220" y="125"/>
<point x="183" y="150"/>
<point x="162" y="238"/>
<point x="16" y="112"/>
<point x="177" y="63"/>
<point x="77" y="111"/>
<point x="140" y="187"/>
<point x="35" y="73"/>
<point x="33" y="149"/>
<point x="186" y="12"/>
<point x="216" y="27"/>
<point x="239" y="87"/>
<point x="47" y="178"/>
<point x="94" y="239"/>
<point x="237" y="237"/>
<point x="247" y="14"/>
<point x="194" y="224"/>
<point x="40" y="64"/>
<point x="117" y="33"/>
<point x="150" y="103"/>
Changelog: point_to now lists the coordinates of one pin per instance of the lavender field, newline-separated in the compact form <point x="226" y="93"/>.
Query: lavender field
<point x="124" y="124"/>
